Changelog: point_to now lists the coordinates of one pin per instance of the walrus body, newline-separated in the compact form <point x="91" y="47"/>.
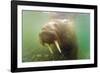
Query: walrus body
<point x="61" y="34"/>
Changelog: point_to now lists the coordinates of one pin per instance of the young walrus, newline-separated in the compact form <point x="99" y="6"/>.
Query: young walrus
<point x="61" y="34"/>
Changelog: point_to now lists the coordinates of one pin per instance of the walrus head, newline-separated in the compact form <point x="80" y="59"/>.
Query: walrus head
<point x="50" y="35"/>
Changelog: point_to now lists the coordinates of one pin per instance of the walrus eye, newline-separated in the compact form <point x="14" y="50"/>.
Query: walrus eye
<point x="49" y="48"/>
<point x="57" y="45"/>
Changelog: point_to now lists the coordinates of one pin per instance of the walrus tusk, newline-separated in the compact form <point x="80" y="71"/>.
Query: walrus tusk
<point x="57" y="45"/>
<point x="49" y="48"/>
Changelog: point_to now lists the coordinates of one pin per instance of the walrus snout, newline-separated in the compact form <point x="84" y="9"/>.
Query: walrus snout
<point x="47" y="37"/>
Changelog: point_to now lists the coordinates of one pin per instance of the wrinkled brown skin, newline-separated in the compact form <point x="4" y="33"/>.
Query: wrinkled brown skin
<point x="64" y="33"/>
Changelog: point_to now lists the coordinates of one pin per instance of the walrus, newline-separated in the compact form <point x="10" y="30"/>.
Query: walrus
<point x="61" y="34"/>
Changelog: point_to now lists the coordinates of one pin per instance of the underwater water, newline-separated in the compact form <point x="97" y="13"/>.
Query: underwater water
<point x="32" y="50"/>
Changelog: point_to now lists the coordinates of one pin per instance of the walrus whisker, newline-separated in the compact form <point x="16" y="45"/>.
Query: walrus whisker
<point x="57" y="45"/>
<point x="49" y="48"/>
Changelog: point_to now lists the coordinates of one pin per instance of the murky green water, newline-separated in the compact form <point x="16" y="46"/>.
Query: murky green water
<point x="32" y="23"/>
